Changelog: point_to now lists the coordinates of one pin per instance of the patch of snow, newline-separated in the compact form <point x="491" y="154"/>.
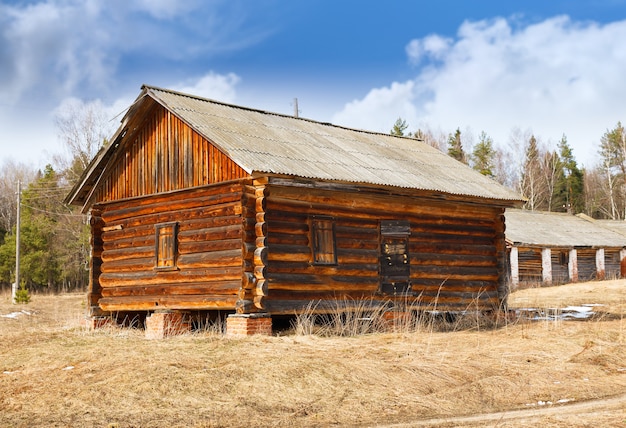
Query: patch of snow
<point x="7" y="372"/>
<point x="564" y="400"/>
<point x="68" y="368"/>
<point x="14" y="315"/>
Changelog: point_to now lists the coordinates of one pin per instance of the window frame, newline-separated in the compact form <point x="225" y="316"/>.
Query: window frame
<point x="170" y="260"/>
<point x="326" y="225"/>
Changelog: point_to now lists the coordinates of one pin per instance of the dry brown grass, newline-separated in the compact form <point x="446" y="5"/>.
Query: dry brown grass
<point x="55" y="373"/>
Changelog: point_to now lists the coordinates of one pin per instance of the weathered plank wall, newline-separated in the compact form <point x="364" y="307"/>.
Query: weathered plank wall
<point x="560" y="270"/>
<point x="612" y="263"/>
<point x="162" y="156"/>
<point x="586" y="264"/>
<point x="455" y="249"/>
<point x="530" y="269"/>
<point x="210" y="247"/>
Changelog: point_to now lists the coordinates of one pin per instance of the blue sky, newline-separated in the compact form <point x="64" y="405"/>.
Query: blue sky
<point x="506" y="68"/>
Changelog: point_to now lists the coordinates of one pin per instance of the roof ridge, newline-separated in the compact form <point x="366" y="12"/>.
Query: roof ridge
<point x="147" y="87"/>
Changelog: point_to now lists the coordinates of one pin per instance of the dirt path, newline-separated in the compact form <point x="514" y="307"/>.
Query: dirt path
<point x="612" y="410"/>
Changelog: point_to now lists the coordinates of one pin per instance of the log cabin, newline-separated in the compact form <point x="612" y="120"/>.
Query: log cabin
<point x="199" y="205"/>
<point x="556" y="248"/>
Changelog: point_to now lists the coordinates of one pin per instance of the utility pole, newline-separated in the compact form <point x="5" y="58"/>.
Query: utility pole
<point x="16" y="284"/>
<point x="295" y="107"/>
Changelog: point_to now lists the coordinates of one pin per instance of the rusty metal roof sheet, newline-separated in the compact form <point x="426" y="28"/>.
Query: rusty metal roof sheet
<point x="540" y="228"/>
<point x="271" y="143"/>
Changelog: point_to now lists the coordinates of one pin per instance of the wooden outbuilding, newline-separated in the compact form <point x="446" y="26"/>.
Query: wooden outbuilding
<point x="197" y="205"/>
<point x="556" y="248"/>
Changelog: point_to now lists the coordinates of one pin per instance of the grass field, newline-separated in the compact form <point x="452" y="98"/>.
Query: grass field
<point x="53" y="372"/>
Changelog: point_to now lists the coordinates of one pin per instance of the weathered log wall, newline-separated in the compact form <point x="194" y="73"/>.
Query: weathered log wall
<point x="560" y="271"/>
<point x="530" y="268"/>
<point x="164" y="155"/>
<point x="587" y="269"/>
<point x="455" y="250"/>
<point x="612" y="263"/>
<point x="208" y="271"/>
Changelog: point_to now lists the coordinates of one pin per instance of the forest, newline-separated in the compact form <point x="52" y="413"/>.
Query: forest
<point x="54" y="237"/>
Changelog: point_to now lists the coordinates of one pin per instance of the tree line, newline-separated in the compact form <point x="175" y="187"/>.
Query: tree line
<point x="548" y="177"/>
<point x="54" y="237"/>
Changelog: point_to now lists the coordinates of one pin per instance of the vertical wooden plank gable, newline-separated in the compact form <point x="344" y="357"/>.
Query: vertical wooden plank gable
<point x="164" y="155"/>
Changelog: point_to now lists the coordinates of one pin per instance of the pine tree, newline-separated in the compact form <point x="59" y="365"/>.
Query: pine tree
<point x="483" y="156"/>
<point x="399" y="127"/>
<point x="455" y="147"/>
<point x="569" y="189"/>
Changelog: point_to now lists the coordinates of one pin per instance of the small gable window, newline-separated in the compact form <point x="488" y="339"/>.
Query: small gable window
<point x="324" y="248"/>
<point x="166" y="237"/>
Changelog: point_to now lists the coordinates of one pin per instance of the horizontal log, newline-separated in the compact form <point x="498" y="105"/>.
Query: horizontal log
<point x="286" y="227"/>
<point x="144" y="303"/>
<point x="160" y="203"/>
<point x="297" y="253"/>
<point x="173" y="277"/>
<point x="375" y="206"/>
<point x="128" y="265"/>
<point x="197" y="288"/>
<point x="209" y="222"/>
<point x="191" y="247"/>
<point x="287" y="238"/>
<point x="143" y="240"/>
<point x="357" y="243"/>
<point x="128" y="253"/>
<point x="304" y="283"/>
<point x="212" y="234"/>
<point x="210" y="259"/>
<point x="460" y="240"/>
<point x="145" y="225"/>
<point x="452" y="260"/>
<point x="416" y="247"/>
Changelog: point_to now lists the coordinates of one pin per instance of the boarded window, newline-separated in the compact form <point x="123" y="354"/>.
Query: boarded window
<point x="324" y="249"/>
<point x="166" y="245"/>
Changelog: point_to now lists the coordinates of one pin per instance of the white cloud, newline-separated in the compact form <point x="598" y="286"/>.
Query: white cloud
<point x="555" y="77"/>
<point x="380" y="108"/>
<point x="220" y="87"/>
<point x="59" y="48"/>
<point x="433" y="46"/>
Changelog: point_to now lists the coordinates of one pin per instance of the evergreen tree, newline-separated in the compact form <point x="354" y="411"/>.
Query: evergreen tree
<point x="569" y="189"/>
<point x="399" y="127"/>
<point x="483" y="156"/>
<point x="455" y="147"/>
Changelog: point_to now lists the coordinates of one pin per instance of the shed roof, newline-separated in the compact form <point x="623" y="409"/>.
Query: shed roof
<point x="618" y="226"/>
<point x="263" y="142"/>
<point x="540" y="228"/>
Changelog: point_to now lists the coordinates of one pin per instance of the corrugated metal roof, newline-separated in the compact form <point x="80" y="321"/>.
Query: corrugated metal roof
<point x="618" y="226"/>
<point x="539" y="228"/>
<point x="265" y="142"/>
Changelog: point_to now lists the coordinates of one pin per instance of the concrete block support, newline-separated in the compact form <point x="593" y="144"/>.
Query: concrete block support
<point x="546" y="265"/>
<point x="241" y="325"/>
<point x="164" y="324"/>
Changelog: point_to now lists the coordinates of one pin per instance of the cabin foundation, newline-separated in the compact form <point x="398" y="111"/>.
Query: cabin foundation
<point x="160" y="325"/>
<point x="241" y="325"/>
